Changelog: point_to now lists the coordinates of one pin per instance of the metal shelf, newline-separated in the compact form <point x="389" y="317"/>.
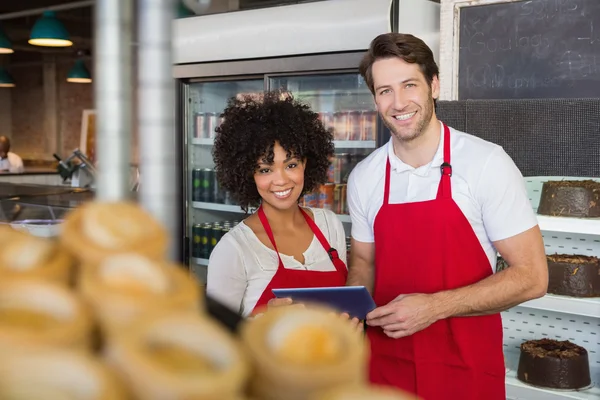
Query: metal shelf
<point x="586" y="226"/>
<point x="340" y="144"/>
<point x="237" y="209"/>
<point x="517" y="390"/>
<point x="588" y="307"/>
<point x="199" y="261"/>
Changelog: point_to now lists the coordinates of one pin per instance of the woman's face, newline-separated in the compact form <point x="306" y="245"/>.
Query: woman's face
<point x="280" y="183"/>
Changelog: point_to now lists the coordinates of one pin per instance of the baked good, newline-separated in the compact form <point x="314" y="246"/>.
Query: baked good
<point x="359" y="392"/>
<point x="40" y="313"/>
<point x="554" y="364"/>
<point x="57" y="374"/>
<point x="96" y="230"/>
<point x="298" y="351"/>
<point x="574" y="275"/>
<point x="178" y="355"/>
<point x="570" y="199"/>
<point x="26" y="256"/>
<point x="126" y="286"/>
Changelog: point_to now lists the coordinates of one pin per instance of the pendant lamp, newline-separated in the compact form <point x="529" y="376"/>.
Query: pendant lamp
<point x="49" y="31"/>
<point x="5" y="44"/>
<point x="5" y="79"/>
<point x="79" y="73"/>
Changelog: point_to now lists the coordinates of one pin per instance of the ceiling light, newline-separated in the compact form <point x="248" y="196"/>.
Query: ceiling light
<point x="5" y="79"/>
<point x="49" y="31"/>
<point x="5" y="44"/>
<point x="79" y="73"/>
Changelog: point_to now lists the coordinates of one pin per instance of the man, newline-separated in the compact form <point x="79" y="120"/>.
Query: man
<point x="429" y="211"/>
<point x="9" y="162"/>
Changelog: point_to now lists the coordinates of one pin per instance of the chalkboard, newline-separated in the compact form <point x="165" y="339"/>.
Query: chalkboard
<point x="530" y="49"/>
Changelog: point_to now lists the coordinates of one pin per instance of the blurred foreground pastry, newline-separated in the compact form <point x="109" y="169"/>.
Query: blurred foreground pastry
<point x="26" y="256"/>
<point x="178" y="356"/>
<point x="126" y="286"/>
<point x="364" y="393"/>
<point x="34" y="313"/>
<point x="97" y="230"/>
<point x="53" y="374"/>
<point x="298" y="352"/>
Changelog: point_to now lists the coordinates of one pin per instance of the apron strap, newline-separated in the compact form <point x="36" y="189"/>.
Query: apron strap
<point x="445" y="187"/>
<point x="265" y="223"/>
<point x="333" y="253"/>
<point x="386" y="184"/>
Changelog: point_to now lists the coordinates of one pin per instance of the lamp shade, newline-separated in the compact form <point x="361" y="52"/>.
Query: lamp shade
<point x="79" y="73"/>
<point x="49" y="31"/>
<point x="5" y="44"/>
<point x="5" y="79"/>
<point x="181" y="11"/>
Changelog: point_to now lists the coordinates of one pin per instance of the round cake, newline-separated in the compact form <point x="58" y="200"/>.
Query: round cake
<point x="570" y="199"/>
<point x="574" y="275"/>
<point x="554" y="364"/>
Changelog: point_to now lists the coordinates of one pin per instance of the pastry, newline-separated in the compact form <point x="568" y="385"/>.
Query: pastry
<point x="27" y="256"/>
<point x="365" y="393"/>
<point x="570" y="199"/>
<point x="298" y="351"/>
<point x="574" y="275"/>
<point x="55" y="374"/>
<point x="125" y="286"/>
<point x="36" y="312"/>
<point x="178" y="355"/>
<point x="554" y="364"/>
<point x="97" y="230"/>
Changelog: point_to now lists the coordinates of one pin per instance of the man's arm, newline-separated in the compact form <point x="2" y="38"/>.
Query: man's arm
<point x="361" y="269"/>
<point x="525" y="279"/>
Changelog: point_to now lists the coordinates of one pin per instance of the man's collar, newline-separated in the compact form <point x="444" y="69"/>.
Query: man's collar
<point x="399" y="166"/>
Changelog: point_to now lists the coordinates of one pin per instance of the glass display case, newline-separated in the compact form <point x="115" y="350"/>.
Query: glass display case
<point x="340" y="97"/>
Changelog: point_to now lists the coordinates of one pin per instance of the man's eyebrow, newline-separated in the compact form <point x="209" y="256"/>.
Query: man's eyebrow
<point x="402" y="82"/>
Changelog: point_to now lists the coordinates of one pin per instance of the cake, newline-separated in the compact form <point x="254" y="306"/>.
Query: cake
<point x="554" y="364"/>
<point x="573" y="275"/>
<point x="570" y="199"/>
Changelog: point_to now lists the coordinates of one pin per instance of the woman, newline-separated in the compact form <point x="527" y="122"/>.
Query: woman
<point x="268" y="152"/>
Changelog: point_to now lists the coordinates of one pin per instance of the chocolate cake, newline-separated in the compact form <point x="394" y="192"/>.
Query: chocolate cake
<point x="573" y="275"/>
<point x="570" y="199"/>
<point x="553" y="364"/>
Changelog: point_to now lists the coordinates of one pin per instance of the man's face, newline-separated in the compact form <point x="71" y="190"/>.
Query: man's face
<point x="403" y="96"/>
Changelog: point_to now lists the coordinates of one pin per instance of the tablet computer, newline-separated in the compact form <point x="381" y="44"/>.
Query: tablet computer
<point x="354" y="300"/>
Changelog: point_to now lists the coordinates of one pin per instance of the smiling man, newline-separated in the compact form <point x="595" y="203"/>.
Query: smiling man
<point x="429" y="211"/>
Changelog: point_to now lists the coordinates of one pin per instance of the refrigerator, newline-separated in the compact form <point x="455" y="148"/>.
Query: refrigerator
<point x="333" y="90"/>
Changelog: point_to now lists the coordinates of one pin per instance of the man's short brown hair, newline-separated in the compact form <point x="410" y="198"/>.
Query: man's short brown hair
<point x="407" y="47"/>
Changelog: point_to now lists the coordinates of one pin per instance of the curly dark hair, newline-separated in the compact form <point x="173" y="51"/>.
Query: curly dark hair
<point x="250" y="128"/>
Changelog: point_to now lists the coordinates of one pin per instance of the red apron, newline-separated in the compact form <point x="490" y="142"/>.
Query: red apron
<point x="286" y="278"/>
<point x="427" y="247"/>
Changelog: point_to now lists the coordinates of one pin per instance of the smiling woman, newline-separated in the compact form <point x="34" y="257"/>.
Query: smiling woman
<point x="268" y="152"/>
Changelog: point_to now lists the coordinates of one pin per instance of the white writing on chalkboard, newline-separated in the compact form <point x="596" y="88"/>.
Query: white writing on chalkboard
<point x="529" y="49"/>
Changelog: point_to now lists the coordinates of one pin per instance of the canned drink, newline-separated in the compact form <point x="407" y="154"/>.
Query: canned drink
<point x="326" y="196"/>
<point x="207" y="185"/>
<point x="342" y="169"/>
<point x="327" y="119"/>
<point x="200" y="125"/>
<point x="197" y="185"/>
<point x="228" y="198"/>
<point x="340" y="125"/>
<point x="339" y="199"/>
<point x="217" y="233"/>
<point x="354" y="125"/>
<point x="205" y="240"/>
<point x="218" y="195"/>
<point x="369" y="125"/>
<point x="196" y="246"/>
<point x="211" y="120"/>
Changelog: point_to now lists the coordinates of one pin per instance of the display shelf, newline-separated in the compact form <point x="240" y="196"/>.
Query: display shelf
<point x="340" y="144"/>
<point x="237" y="209"/>
<point x="517" y="390"/>
<point x="200" y="261"/>
<point x="588" y="307"/>
<point x="589" y="226"/>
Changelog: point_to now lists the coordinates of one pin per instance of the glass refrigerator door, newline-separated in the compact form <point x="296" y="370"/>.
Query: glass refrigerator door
<point x="345" y="104"/>
<point x="210" y="211"/>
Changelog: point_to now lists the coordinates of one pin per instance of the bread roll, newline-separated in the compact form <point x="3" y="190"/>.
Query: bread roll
<point x="26" y="256"/>
<point x="297" y="352"/>
<point x="126" y="286"/>
<point x="55" y="374"/>
<point x="40" y="313"/>
<point x="178" y="355"/>
<point x="96" y="230"/>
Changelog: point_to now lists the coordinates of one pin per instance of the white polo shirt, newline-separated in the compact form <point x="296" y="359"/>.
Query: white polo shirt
<point x="486" y="185"/>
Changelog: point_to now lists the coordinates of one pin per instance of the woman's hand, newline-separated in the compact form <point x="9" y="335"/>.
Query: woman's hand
<point x="355" y="322"/>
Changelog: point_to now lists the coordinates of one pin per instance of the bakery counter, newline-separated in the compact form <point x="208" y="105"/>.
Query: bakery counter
<point x="33" y="176"/>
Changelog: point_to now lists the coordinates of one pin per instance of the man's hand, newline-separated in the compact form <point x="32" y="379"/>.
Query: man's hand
<point x="405" y="315"/>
